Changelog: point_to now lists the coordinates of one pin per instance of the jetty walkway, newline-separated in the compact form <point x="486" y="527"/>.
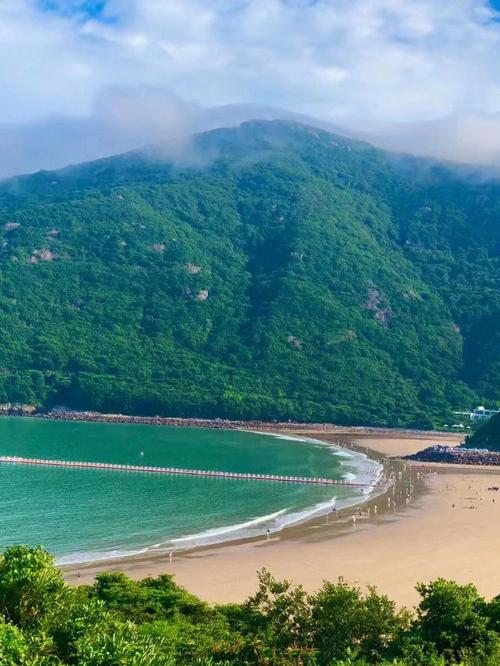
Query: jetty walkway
<point x="15" y="460"/>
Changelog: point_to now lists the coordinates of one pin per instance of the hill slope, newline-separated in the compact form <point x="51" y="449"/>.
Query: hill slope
<point x="287" y="273"/>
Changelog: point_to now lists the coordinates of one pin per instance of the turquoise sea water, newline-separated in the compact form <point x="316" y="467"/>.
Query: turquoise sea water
<point x="81" y="514"/>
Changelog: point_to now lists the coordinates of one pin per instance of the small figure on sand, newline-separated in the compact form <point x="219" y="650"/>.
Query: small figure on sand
<point x="268" y="533"/>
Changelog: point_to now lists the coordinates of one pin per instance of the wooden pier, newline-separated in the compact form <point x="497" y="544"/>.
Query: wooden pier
<point x="175" y="471"/>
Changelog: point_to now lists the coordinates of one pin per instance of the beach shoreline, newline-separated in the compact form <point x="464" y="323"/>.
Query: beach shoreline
<point x="378" y="471"/>
<point x="216" y="572"/>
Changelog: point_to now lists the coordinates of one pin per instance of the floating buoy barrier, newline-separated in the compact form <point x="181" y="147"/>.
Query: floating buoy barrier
<point x="175" y="471"/>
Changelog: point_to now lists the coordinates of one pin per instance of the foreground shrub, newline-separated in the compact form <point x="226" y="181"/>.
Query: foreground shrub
<point x="154" y="622"/>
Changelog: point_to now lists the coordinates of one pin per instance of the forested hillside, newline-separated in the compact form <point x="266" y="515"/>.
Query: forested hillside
<point x="279" y="272"/>
<point x="488" y="436"/>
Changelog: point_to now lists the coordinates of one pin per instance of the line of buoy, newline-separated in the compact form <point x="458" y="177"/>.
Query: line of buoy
<point x="183" y="472"/>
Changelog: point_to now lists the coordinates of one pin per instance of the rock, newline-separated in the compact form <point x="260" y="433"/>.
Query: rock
<point x="158" y="247"/>
<point x="294" y="342"/>
<point x="46" y="255"/>
<point x="374" y="304"/>
<point x="10" y="226"/>
<point x="457" y="455"/>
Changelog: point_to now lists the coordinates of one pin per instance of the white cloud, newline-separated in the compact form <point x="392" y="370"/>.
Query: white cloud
<point x="368" y="64"/>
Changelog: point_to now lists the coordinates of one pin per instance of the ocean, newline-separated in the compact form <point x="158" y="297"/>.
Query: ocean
<point x="81" y="515"/>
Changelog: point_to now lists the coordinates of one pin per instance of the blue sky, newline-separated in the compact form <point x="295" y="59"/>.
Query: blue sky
<point x="91" y="8"/>
<point x="94" y="8"/>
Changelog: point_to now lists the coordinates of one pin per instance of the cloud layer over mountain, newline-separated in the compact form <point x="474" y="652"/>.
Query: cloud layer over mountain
<point x="422" y="77"/>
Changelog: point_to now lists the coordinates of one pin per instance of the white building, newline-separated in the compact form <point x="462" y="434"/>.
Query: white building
<point x="483" y="414"/>
<point x="479" y="413"/>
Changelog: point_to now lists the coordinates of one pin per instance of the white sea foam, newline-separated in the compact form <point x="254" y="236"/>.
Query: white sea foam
<point x="93" y="556"/>
<point x="274" y="522"/>
<point x="361" y="468"/>
<point x="277" y="435"/>
<point x="219" y="531"/>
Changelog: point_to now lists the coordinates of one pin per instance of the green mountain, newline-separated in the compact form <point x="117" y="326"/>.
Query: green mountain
<point x="279" y="271"/>
<point x="487" y="436"/>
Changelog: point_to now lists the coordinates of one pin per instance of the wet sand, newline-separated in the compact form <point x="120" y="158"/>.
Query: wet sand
<point x="450" y="527"/>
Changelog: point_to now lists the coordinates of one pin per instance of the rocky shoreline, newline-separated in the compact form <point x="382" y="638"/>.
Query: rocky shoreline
<point x="456" y="455"/>
<point x="186" y="422"/>
<point x="221" y="424"/>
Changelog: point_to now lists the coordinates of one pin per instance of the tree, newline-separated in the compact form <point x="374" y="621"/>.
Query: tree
<point x="149" y="599"/>
<point x="337" y="613"/>
<point x="286" y="618"/>
<point x="120" y="644"/>
<point x="382" y="624"/>
<point x="14" y="649"/>
<point x="346" y="622"/>
<point x="453" y="619"/>
<point x="30" y="585"/>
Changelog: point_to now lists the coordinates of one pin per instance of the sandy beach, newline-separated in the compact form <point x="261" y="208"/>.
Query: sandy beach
<point x="450" y="528"/>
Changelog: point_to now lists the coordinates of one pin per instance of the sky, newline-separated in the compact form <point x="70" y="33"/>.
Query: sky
<point x="103" y="75"/>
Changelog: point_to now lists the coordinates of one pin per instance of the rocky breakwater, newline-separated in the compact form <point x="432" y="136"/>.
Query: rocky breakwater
<point x="457" y="455"/>
<point x="265" y="426"/>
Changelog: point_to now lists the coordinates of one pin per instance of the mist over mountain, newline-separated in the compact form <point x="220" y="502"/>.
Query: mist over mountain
<point x="290" y="273"/>
<point x="122" y="120"/>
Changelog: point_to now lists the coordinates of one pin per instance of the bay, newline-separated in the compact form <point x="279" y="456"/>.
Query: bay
<point x="82" y="514"/>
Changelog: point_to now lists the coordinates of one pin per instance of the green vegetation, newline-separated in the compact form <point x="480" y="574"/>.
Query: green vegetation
<point x="153" y="622"/>
<point x="487" y="436"/>
<point x="286" y="273"/>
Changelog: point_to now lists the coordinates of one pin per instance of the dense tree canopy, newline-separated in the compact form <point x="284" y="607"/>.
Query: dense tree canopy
<point x="278" y="272"/>
<point x="153" y="622"/>
<point x="487" y="436"/>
